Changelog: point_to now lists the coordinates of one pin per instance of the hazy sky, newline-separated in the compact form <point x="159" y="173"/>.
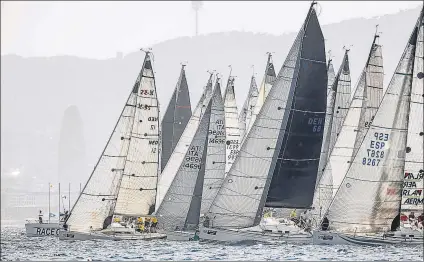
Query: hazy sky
<point x="100" y="29"/>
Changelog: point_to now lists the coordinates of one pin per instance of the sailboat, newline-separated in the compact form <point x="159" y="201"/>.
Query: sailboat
<point x="176" y="117"/>
<point x="232" y="132"/>
<point x="179" y="212"/>
<point x="122" y="187"/>
<point x="240" y="201"/>
<point x="365" y="102"/>
<point x="367" y="202"/>
<point x="215" y="158"/>
<point x="248" y="107"/>
<point x="178" y="155"/>
<point x="267" y="82"/>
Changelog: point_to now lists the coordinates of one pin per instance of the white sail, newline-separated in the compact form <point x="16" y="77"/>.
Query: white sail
<point x="122" y="157"/>
<point x="341" y="105"/>
<point x="363" y="107"/>
<point x="180" y="208"/>
<point x="232" y="131"/>
<point x="331" y="95"/>
<point x="248" y="108"/>
<point x="177" y="156"/>
<point x="267" y="82"/>
<point x="412" y="192"/>
<point x="241" y="198"/>
<point x="369" y="196"/>
<point x="215" y="159"/>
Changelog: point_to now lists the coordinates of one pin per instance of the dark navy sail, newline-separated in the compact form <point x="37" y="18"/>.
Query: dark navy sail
<point x="299" y="144"/>
<point x="176" y="117"/>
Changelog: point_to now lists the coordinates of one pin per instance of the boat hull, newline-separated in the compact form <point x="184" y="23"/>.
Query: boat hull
<point x="334" y="238"/>
<point x="233" y="235"/>
<point x="72" y="235"/>
<point x="180" y="236"/>
<point x="42" y="230"/>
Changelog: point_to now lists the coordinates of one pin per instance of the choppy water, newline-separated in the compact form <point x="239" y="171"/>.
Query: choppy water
<point x="16" y="246"/>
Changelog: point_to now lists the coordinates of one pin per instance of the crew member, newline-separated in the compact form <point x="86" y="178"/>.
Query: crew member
<point x="40" y="217"/>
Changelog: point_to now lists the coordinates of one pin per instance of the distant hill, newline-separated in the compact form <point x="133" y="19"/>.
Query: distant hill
<point x="36" y="91"/>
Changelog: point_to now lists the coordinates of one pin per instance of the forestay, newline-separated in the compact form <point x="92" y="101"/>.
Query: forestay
<point x="180" y="208"/>
<point x="176" y="117"/>
<point x="367" y="96"/>
<point x="248" y="108"/>
<point x="299" y="145"/>
<point x="369" y="197"/>
<point x="215" y="159"/>
<point x="129" y="155"/>
<point x="232" y="131"/>
<point x="241" y="198"/>
<point x="179" y="152"/>
<point x="412" y="193"/>
<point x="266" y="85"/>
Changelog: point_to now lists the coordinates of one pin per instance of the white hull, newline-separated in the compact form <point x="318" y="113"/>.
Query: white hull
<point x="233" y="235"/>
<point x="334" y="238"/>
<point x="72" y="235"/>
<point x="180" y="235"/>
<point x="41" y="230"/>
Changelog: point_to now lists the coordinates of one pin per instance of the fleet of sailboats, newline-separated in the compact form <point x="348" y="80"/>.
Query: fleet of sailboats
<point x="299" y="143"/>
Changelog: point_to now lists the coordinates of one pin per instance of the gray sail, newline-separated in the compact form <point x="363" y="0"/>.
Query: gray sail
<point x="241" y="198"/>
<point x="248" y="107"/>
<point x="180" y="208"/>
<point x="176" y="117"/>
<point x="299" y="143"/>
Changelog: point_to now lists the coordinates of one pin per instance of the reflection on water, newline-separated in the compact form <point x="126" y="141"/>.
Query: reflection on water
<point x="16" y="246"/>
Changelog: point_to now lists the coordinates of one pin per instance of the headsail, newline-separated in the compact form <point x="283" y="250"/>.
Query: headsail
<point x="241" y="198"/>
<point x="176" y="117"/>
<point x="248" y="108"/>
<point x="126" y="172"/>
<point x="215" y="159"/>
<point x="266" y="85"/>
<point x="367" y="97"/>
<point x="369" y="196"/>
<point x="178" y="155"/>
<point x="180" y="208"/>
<point x="232" y="131"/>
<point x="299" y="144"/>
<point x="413" y="185"/>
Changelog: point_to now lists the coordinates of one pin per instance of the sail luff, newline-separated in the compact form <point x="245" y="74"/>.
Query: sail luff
<point x="369" y="196"/>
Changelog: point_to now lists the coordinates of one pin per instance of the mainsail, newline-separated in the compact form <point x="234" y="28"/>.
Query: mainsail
<point x="248" y="108"/>
<point x="125" y="176"/>
<point x="369" y="196"/>
<point x="176" y="117"/>
<point x="341" y="106"/>
<point x="299" y="144"/>
<point x="367" y="97"/>
<point x="215" y="159"/>
<point x="241" y="198"/>
<point x="180" y="208"/>
<point x="331" y="95"/>
<point x="232" y="131"/>
<point x="179" y="152"/>
<point x="412" y="192"/>
<point x="266" y="85"/>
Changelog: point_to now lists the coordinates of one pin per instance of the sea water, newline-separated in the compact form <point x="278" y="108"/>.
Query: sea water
<point x="16" y="246"/>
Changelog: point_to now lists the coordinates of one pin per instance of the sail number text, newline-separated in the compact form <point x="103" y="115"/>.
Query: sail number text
<point x="317" y="124"/>
<point x="375" y="150"/>
<point x="193" y="157"/>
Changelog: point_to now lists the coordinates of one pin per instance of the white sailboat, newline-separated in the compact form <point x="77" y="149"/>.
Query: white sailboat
<point x="232" y="132"/>
<point x="179" y="212"/>
<point x="367" y="203"/>
<point x="240" y="200"/>
<point x="215" y="159"/>
<point x="178" y="155"/>
<point x="122" y="187"/>
<point x="365" y="102"/>
<point x="248" y="108"/>
<point x="267" y="82"/>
